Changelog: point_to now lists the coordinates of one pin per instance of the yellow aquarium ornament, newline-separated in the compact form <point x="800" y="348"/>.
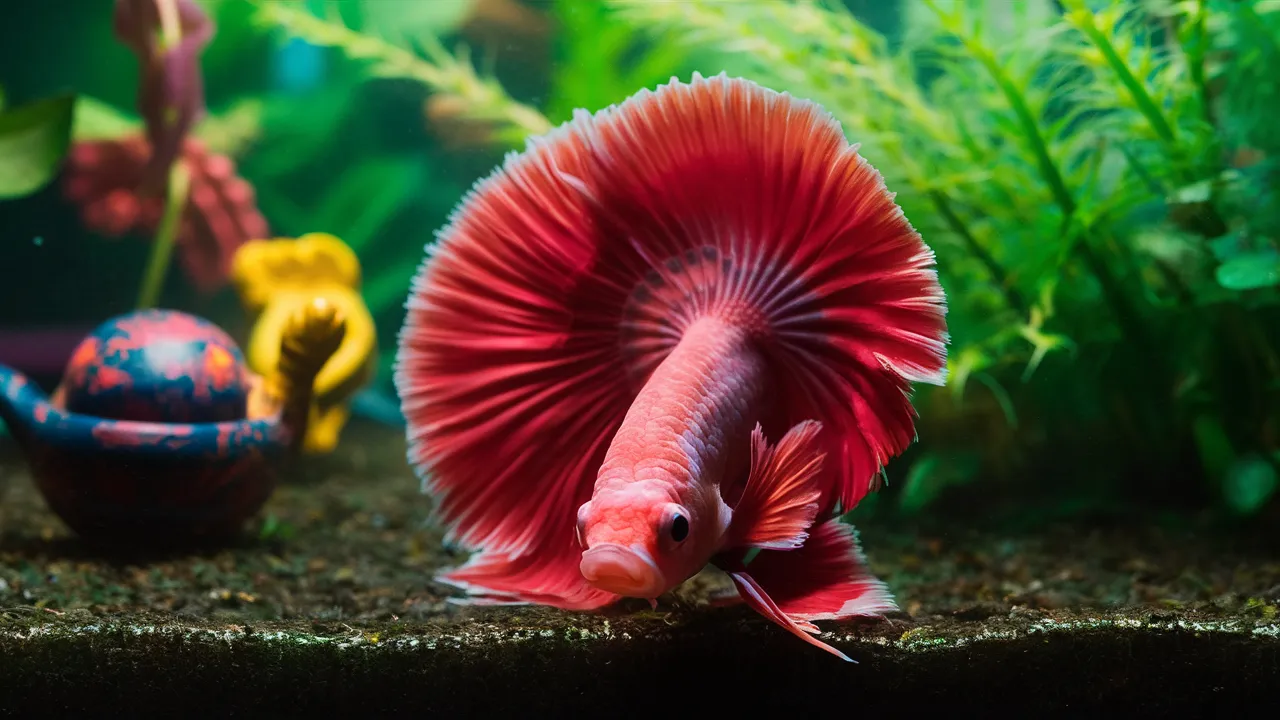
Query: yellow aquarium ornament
<point x="276" y="277"/>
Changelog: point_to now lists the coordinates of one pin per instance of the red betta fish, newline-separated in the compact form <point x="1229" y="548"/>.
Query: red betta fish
<point x="613" y="323"/>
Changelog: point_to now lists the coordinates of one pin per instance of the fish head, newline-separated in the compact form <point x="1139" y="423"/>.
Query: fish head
<point x="639" y="541"/>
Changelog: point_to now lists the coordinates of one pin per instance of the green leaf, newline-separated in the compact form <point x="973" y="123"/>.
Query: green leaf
<point x="274" y="527"/>
<point x="932" y="474"/>
<point x="33" y="140"/>
<point x="1250" y="484"/>
<point x="1213" y="445"/>
<point x="388" y="289"/>
<point x="1227" y="246"/>
<point x="96" y="120"/>
<point x="962" y="364"/>
<point x="1249" y="272"/>
<point x="436" y="18"/>
<point x="921" y="486"/>
<point x="365" y="197"/>
<point x="1198" y="192"/>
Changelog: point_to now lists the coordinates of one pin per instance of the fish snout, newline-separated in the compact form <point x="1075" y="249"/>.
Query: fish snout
<point x="628" y="572"/>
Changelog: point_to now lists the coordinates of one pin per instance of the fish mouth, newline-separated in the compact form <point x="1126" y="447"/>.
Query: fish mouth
<point x="628" y="572"/>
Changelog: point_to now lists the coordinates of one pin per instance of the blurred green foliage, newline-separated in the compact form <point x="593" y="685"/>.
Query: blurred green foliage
<point x="33" y="140"/>
<point x="600" y="60"/>
<point x="1099" y="183"/>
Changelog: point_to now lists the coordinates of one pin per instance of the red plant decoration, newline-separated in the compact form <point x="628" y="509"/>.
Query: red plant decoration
<point x="120" y="184"/>
<point x="104" y="177"/>
<point x="171" y="87"/>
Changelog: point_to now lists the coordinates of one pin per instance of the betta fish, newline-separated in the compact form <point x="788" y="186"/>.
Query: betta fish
<point x="679" y="332"/>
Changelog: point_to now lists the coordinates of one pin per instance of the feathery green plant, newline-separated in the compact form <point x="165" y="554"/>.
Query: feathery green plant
<point x="1074" y="173"/>
<point x="482" y="99"/>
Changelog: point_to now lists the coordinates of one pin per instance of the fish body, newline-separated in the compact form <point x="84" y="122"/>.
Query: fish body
<point x="658" y="513"/>
<point x="676" y="333"/>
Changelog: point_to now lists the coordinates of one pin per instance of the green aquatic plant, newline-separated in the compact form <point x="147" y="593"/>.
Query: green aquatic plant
<point x="34" y="138"/>
<point x="600" y="59"/>
<point x="1078" y="174"/>
<point x="421" y="57"/>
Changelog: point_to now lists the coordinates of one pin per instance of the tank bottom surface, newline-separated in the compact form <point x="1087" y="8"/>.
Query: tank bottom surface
<point x="327" y="604"/>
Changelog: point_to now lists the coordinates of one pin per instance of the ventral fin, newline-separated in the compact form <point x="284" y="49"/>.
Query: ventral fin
<point x="758" y="598"/>
<point x="825" y="579"/>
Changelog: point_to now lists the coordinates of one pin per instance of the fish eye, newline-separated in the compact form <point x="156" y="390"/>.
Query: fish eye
<point x="679" y="527"/>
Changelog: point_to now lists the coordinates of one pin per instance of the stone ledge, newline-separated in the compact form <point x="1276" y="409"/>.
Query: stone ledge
<point x="535" y="662"/>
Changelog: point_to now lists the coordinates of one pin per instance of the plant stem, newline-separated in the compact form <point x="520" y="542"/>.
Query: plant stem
<point x="1196" y="62"/>
<point x="170" y="23"/>
<point x="484" y="99"/>
<point x="1011" y="295"/>
<point x="1084" y="20"/>
<point x="162" y="247"/>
